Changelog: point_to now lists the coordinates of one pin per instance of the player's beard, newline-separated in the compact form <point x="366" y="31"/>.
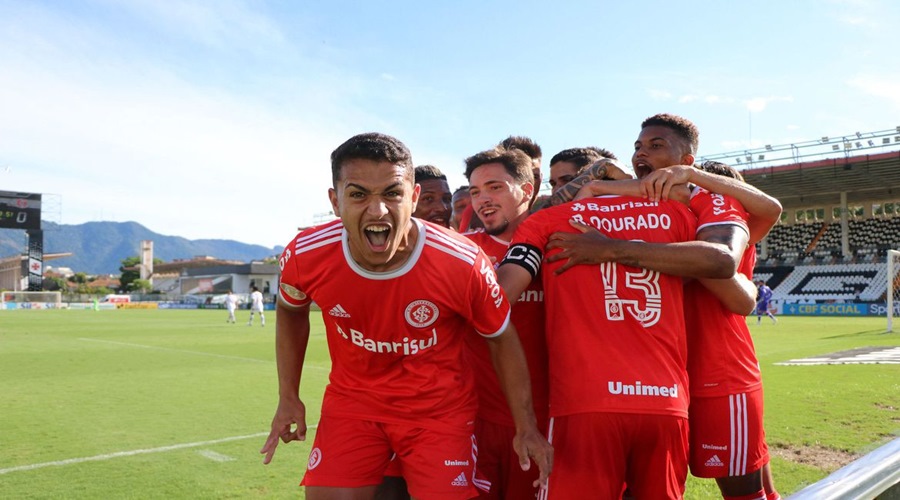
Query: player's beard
<point x="498" y="229"/>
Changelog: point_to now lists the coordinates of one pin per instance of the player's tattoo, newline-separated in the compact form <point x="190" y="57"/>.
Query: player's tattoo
<point x="723" y="234"/>
<point x="567" y="193"/>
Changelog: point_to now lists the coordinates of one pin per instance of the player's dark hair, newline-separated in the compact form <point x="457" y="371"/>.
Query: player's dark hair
<point x="719" y="168"/>
<point x="429" y="172"/>
<point x="371" y="146"/>
<point x="523" y="144"/>
<point x="516" y="163"/>
<point x="603" y="152"/>
<point x="682" y="127"/>
<point x="581" y="157"/>
<point x="461" y="189"/>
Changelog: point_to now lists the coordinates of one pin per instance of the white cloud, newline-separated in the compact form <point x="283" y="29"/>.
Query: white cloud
<point x="659" y="95"/>
<point x="759" y="104"/>
<point x="886" y="87"/>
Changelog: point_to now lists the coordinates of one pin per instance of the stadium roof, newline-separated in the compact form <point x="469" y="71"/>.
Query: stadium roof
<point x="820" y="183"/>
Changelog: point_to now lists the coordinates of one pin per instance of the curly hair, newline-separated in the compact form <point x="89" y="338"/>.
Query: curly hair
<point x="682" y="127"/>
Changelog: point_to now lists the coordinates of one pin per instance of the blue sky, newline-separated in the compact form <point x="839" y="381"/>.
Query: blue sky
<point x="215" y="119"/>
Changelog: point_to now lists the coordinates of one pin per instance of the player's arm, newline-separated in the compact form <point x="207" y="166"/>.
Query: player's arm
<point x="605" y="168"/>
<point x="512" y="371"/>
<point x="696" y="259"/>
<point x="737" y="293"/>
<point x="519" y="266"/>
<point x="629" y="187"/>
<point x="291" y="340"/>
<point x="764" y="210"/>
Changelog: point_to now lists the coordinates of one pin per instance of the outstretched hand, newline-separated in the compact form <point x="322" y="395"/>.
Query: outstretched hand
<point x="288" y="414"/>
<point x="585" y="247"/>
<point x="532" y="445"/>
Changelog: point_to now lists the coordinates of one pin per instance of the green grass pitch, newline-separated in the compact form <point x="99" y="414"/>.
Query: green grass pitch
<point x="176" y="404"/>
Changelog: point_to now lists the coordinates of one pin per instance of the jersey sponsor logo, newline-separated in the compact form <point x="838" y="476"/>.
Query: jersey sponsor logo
<point x="406" y="347"/>
<point x="718" y="202"/>
<point x="490" y="278"/>
<point x="628" y="223"/>
<point x="454" y="463"/>
<point x="285" y="257"/>
<point x="460" y="480"/>
<point x="615" y="207"/>
<point x="713" y="447"/>
<point x="338" y="312"/>
<point x="637" y="389"/>
<point x="532" y="296"/>
<point x="715" y="461"/>
<point x="315" y="458"/>
<point x="421" y="313"/>
<point x="292" y="292"/>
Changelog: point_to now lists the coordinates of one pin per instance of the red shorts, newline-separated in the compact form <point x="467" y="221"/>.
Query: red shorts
<point x="351" y="453"/>
<point x="727" y="435"/>
<point x="601" y="452"/>
<point x="499" y="463"/>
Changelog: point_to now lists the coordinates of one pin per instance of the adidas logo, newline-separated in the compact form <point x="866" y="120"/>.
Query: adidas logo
<point x="460" y="480"/>
<point x="339" y="312"/>
<point x="714" y="462"/>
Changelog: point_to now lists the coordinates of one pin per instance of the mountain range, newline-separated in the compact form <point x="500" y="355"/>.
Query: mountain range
<point x="100" y="247"/>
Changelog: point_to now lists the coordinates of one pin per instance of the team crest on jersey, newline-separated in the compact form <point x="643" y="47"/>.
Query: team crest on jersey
<point x="421" y="313"/>
<point x="292" y="292"/>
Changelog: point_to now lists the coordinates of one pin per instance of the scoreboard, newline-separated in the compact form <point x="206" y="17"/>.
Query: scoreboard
<point x="20" y="210"/>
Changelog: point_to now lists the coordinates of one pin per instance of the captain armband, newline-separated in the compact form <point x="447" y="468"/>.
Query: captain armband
<point x="526" y="256"/>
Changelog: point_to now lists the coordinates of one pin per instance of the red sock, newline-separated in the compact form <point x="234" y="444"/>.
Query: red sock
<point x="773" y="496"/>
<point x="759" y="495"/>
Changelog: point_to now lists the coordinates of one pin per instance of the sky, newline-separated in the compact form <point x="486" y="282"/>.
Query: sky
<point x="215" y="119"/>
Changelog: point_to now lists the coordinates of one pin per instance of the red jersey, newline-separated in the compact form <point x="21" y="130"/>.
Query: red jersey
<point x="528" y="318"/>
<point x="396" y="338"/>
<point x="615" y="333"/>
<point x="722" y="358"/>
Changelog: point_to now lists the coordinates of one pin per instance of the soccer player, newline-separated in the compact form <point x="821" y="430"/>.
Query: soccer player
<point x="764" y="295"/>
<point x="256" y="306"/>
<point x="230" y="305"/>
<point x="723" y="368"/>
<point x="568" y="163"/>
<point x="726" y="412"/>
<point x="398" y="297"/>
<point x="500" y="183"/>
<point x="531" y="149"/>
<point x="434" y="199"/>
<point x="460" y="202"/>
<point x="617" y="350"/>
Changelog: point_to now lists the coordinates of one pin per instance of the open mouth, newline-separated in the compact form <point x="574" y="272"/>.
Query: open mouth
<point x="487" y="212"/>
<point x="641" y="169"/>
<point x="377" y="235"/>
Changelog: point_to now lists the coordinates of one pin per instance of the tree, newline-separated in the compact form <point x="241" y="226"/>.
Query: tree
<point x="130" y="272"/>
<point x="139" y="286"/>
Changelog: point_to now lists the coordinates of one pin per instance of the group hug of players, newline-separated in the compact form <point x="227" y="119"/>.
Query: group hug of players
<point x="589" y="345"/>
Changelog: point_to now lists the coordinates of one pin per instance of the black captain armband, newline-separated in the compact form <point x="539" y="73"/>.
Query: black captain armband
<point x="526" y="256"/>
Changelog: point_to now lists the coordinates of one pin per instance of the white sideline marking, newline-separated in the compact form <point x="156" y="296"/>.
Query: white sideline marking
<point x="200" y="353"/>
<point x="216" y="457"/>
<point x="118" y="454"/>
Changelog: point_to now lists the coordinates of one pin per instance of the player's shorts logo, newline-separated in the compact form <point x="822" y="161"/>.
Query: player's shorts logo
<point x="315" y="458"/>
<point x="421" y="313"/>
